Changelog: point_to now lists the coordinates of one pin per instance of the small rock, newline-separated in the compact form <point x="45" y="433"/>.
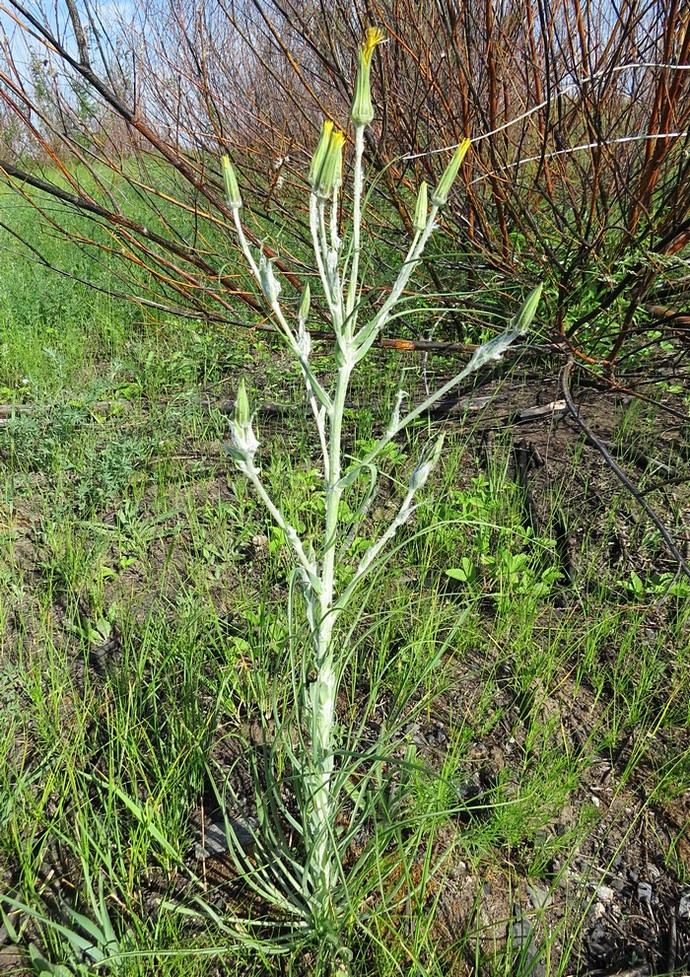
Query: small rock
<point x="600" y="943"/>
<point x="684" y="905"/>
<point x="214" y="841"/>
<point x="598" y="910"/>
<point x="539" y="897"/>
<point x="521" y="932"/>
<point x="645" y="892"/>
<point x="528" y="954"/>
<point x="605" y="893"/>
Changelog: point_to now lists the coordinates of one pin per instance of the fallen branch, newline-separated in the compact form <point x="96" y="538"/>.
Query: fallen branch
<point x="564" y="381"/>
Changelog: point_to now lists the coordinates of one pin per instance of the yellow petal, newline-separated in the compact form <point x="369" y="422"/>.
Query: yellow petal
<point x="373" y="38"/>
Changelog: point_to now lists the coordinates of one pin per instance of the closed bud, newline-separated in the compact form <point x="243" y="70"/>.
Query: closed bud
<point x="332" y="168"/>
<point x="270" y="285"/>
<point x="320" y="153"/>
<point x="303" y="335"/>
<point x="241" y="414"/>
<point x="305" y="304"/>
<point x="394" y="423"/>
<point x="524" y="318"/>
<point x="244" y="442"/>
<point x="420" y="211"/>
<point x="232" y="190"/>
<point x="440" y="194"/>
<point x="426" y="465"/>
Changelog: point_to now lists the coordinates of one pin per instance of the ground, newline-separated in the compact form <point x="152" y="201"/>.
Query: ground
<point x="552" y="745"/>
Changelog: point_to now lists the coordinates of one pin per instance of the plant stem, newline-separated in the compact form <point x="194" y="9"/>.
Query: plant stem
<point x="323" y="692"/>
<point x="357" y="191"/>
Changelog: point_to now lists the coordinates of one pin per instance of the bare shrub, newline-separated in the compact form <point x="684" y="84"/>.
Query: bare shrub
<point x="578" y="114"/>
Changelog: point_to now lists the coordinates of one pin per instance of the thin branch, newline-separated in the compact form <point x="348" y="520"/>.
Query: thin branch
<point x="618" y="471"/>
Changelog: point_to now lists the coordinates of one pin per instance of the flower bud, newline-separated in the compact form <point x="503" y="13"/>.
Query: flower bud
<point x="320" y="153"/>
<point x="420" y="211"/>
<point x="524" y="318"/>
<point x="305" y="304"/>
<point x="362" y="112"/>
<point x="426" y="465"/>
<point x="241" y="412"/>
<point x="270" y="285"/>
<point x="303" y="334"/>
<point x="440" y="194"/>
<point x="232" y="190"/>
<point x="303" y="342"/>
<point x="244" y="441"/>
<point x="394" y="422"/>
<point x="331" y="173"/>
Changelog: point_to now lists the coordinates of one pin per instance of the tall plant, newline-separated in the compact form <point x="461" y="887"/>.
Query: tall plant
<point x="315" y="560"/>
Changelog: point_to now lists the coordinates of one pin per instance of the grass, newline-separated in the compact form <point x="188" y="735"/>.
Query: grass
<point x="146" y="642"/>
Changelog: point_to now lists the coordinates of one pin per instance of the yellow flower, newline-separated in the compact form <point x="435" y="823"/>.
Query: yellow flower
<point x="374" y="37"/>
<point x="362" y="111"/>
